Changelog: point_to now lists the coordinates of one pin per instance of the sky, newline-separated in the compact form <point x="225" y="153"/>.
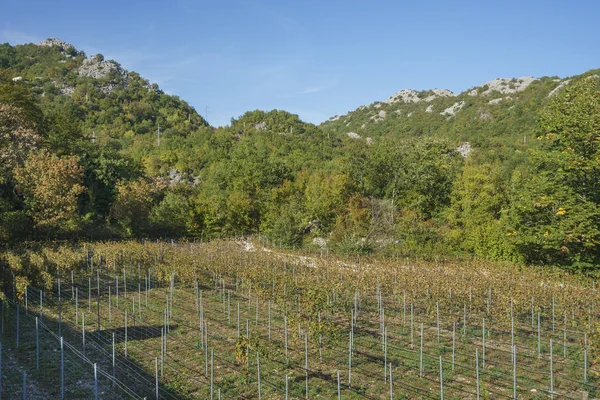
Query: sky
<point x="316" y="58"/>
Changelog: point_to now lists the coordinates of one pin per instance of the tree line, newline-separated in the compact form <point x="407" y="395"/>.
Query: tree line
<point x="270" y="173"/>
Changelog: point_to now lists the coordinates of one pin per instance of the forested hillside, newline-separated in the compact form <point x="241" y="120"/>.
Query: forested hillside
<point x="91" y="150"/>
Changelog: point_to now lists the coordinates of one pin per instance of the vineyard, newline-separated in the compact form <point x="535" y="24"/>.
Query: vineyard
<point x="238" y="319"/>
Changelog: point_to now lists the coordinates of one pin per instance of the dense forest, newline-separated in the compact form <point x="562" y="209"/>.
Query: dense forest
<point x="90" y="150"/>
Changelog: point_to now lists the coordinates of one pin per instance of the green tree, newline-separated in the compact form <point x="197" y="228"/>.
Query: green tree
<point x="416" y="174"/>
<point x="172" y="216"/>
<point x="103" y="168"/>
<point x="478" y="198"/>
<point x="18" y="94"/>
<point x="554" y="212"/>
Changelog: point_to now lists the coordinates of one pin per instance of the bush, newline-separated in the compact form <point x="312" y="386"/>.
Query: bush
<point x="14" y="225"/>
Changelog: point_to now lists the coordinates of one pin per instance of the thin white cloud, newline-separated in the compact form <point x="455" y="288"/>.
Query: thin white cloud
<point x="312" y="89"/>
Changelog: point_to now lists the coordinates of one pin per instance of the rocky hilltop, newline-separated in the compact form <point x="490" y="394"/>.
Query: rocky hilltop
<point x="412" y="96"/>
<point x="65" y="48"/>
<point x="93" y="67"/>
<point x="500" y="112"/>
<point x="493" y="88"/>
<point x="111" y="102"/>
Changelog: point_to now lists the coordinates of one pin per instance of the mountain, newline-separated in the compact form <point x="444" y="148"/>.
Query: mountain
<point x="91" y="149"/>
<point x="112" y="104"/>
<point x="499" y="114"/>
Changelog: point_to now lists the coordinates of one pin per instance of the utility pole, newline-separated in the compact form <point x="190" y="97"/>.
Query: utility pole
<point x="93" y="136"/>
<point x="158" y="135"/>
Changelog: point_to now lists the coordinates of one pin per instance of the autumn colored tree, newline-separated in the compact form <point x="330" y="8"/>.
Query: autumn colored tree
<point x="51" y="186"/>
<point x="18" y="137"/>
<point x="133" y="204"/>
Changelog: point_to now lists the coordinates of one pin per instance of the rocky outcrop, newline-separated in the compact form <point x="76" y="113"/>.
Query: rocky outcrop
<point x="176" y="177"/>
<point x="559" y="87"/>
<point x="66" y="49"/>
<point x="56" y="42"/>
<point x="499" y="100"/>
<point x="464" y="149"/>
<point x="504" y="86"/>
<point x="453" y="109"/>
<point x="412" y="96"/>
<point x="95" y="67"/>
<point x="439" y="93"/>
<point x="485" y="116"/>
<point x="380" y="116"/>
<point x="66" y="90"/>
<point x="405" y="95"/>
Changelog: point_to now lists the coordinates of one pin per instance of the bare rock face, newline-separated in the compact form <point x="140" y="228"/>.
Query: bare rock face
<point x="66" y="90"/>
<point x="380" y="116"/>
<point x="95" y="67"/>
<point x="505" y="86"/>
<point x="176" y="177"/>
<point x="405" y="95"/>
<point x="353" y="135"/>
<point x="66" y="49"/>
<point x="559" y="87"/>
<point x="412" y="96"/>
<point x="464" y="149"/>
<point x="499" y="100"/>
<point x="453" y="109"/>
<point x="485" y="116"/>
<point x="55" y="42"/>
<point x="439" y="93"/>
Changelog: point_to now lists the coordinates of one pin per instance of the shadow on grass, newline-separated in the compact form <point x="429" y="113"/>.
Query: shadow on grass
<point x="132" y="380"/>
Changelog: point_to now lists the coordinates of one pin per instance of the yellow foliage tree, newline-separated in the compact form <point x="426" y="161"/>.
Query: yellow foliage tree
<point x="133" y="204"/>
<point x="51" y="187"/>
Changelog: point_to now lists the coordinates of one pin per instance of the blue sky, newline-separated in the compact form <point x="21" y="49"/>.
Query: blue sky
<point x="316" y="58"/>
